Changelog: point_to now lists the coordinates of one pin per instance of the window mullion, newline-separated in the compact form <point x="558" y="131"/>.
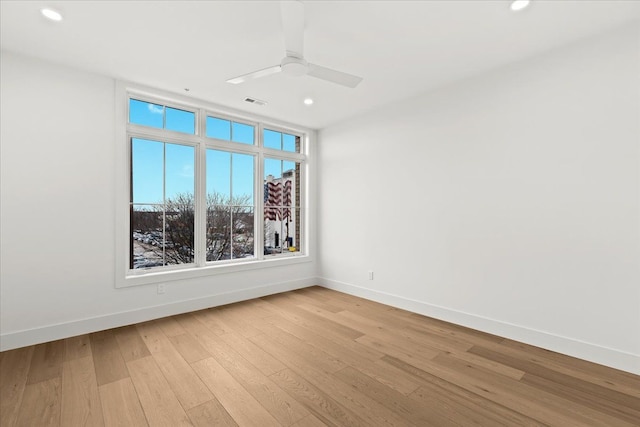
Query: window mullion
<point x="302" y="202"/>
<point x="281" y="207"/>
<point x="258" y="216"/>
<point x="200" y="226"/>
<point x="164" y="203"/>
<point x="230" y="203"/>
<point x="200" y="209"/>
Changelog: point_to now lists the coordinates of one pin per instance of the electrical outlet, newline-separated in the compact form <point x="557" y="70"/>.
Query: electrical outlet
<point x="371" y="275"/>
<point x="162" y="288"/>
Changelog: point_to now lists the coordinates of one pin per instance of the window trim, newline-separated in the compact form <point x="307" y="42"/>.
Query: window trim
<point x="255" y="217"/>
<point x="126" y="277"/>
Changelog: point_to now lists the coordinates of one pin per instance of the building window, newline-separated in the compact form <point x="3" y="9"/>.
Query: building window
<point x="196" y="182"/>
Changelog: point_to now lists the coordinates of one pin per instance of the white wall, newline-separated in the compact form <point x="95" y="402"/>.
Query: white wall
<point x="516" y="196"/>
<point x="514" y="200"/>
<point x="58" y="215"/>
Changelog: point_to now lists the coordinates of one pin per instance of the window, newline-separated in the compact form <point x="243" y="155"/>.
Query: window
<point x="160" y="116"/>
<point x="208" y="192"/>
<point x="228" y="130"/>
<point x="230" y="205"/>
<point x="162" y="204"/>
<point x="281" y="141"/>
<point x="281" y="206"/>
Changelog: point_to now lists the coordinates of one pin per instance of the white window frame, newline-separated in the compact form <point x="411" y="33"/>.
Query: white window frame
<point x="126" y="277"/>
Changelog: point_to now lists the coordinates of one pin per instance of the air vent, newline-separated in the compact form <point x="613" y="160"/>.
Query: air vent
<point x="255" y="101"/>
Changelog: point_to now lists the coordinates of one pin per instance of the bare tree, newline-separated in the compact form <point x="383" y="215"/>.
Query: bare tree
<point x="229" y="229"/>
<point x="179" y="229"/>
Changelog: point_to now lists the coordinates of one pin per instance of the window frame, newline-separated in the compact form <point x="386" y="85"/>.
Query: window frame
<point x="255" y="219"/>
<point x="165" y="140"/>
<point x="125" y="131"/>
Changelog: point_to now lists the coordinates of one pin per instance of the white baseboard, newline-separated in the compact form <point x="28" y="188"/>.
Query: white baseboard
<point x="583" y="350"/>
<point x="47" y="333"/>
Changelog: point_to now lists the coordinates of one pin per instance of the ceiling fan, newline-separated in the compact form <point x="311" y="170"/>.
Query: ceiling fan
<point x="293" y="63"/>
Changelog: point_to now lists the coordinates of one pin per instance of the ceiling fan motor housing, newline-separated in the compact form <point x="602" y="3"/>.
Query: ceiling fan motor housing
<point x="293" y="66"/>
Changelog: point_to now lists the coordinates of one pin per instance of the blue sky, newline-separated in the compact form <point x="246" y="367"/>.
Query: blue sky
<point x="157" y="164"/>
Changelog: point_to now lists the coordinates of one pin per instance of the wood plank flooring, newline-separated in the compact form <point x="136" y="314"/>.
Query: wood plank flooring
<point x="311" y="357"/>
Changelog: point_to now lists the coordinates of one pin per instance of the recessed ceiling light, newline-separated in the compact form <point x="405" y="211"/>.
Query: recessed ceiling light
<point x="308" y="101"/>
<point x="51" y="14"/>
<point x="519" y="4"/>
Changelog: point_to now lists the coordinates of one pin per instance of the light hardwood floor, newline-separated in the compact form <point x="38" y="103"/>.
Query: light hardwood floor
<point x="311" y="357"/>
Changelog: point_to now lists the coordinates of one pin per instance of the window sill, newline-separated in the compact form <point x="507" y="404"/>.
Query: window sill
<point x="154" y="277"/>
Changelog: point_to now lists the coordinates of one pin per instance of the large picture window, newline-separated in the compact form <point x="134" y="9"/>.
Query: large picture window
<point x="209" y="190"/>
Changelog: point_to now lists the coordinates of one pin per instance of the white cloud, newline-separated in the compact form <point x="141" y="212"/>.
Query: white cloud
<point x="187" y="171"/>
<point x="155" y="109"/>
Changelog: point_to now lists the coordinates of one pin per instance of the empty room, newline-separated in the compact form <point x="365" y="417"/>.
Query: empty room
<point x="320" y="213"/>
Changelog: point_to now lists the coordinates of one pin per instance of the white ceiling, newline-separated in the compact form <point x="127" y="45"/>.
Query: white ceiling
<point x="400" y="48"/>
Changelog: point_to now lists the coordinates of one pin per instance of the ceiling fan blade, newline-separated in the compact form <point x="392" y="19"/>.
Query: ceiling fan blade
<point x="255" y="75"/>
<point x="334" y="76"/>
<point x="293" y="25"/>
